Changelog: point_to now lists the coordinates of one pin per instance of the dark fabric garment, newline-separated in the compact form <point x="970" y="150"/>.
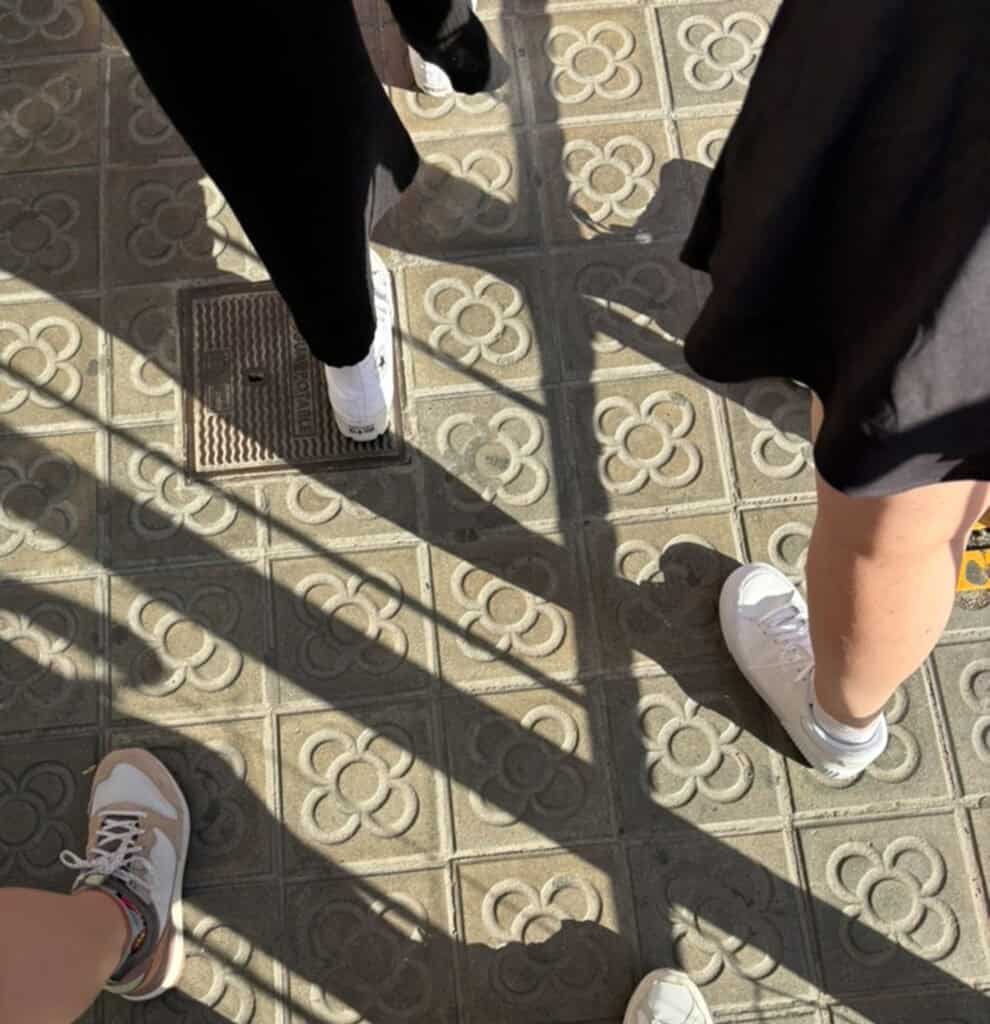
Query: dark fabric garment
<point x="849" y="195"/>
<point x="281" y="104"/>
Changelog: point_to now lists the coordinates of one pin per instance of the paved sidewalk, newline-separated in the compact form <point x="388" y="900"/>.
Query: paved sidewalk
<point x="460" y="736"/>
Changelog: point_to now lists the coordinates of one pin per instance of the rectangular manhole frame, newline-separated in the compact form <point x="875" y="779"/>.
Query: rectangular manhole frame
<point x="350" y="458"/>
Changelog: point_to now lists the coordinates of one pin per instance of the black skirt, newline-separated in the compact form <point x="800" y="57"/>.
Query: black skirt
<point x="844" y="229"/>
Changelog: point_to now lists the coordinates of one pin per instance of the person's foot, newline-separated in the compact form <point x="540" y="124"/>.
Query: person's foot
<point x="765" y="624"/>
<point x="461" y="63"/>
<point x="667" y="997"/>
<point x="361" y="395"/>
<point x="136" y="854"/>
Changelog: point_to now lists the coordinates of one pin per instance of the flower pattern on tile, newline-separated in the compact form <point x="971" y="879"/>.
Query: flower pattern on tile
<point x="607" y="46"/>
<point x="167" y="504"/>
<point x="974" y="684"/>
<point x="330" y="813"/>
<point x="788" y="549"/>
<point x="672" y="782"/>
<point x="176" y="222"/>
<point x="38" y="362"/>
<point x="611" y="180"/>
<point x="185" y="640"/>
<point x="497" y="456"/>
<point x="330" y="604"/>
<point x="479" y="321"/>
<point x="32" y="804"/>
<point x="435" y="108"/>
<point x="901" y="758"/>
<point x="500" y="609"/>
<point x="481" y="202"/>
<point x="216" y="977"/>
<point x="615" y="297"/>
<point x="617" y="419"/>
<point x="42" y="672"/>
<point x="153" y="336"/>
<point x="529" y="767"/>
<point x="917" y="921"/>
<point x="710" y="146"/>
<point x="39" y="118"/>
<point x="340" y="931"/>
<point x="778" y="451"/>
<point x="52" y="20"/>
<point x="367" y="497"/>
<point x="35" y="234"/>
<point x="148" y="124"/>
<point x="519" y="918"/>
<point x="706" y="951"/>
<point x="678" y="584"/>
<point x="720" y="53"/>
<point x="35" y="509"/>
<point x="212" y="775"/>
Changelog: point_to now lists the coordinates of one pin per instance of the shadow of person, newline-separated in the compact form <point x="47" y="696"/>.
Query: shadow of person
<point x="656" y="213"/>
<point x="356" y="952"/>
<point x="537" y="964"/>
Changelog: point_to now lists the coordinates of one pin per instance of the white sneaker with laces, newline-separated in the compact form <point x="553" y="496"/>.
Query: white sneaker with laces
<point x="136" y="854"/>
<point x="667" y="997"/>
<point x="361" y="395"/>
<point x="765" y="624"/>
<point x="431" y="78"/>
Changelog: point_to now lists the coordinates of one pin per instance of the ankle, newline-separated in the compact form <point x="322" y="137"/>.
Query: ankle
<point x="111" y="926"/>
<point x="841" y="713"/>
<point x="844" y="727"/>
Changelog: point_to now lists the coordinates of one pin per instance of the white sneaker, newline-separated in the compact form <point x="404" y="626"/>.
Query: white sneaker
<point x="136" y="853"/>
<point x="667" y="997"/>
<point x="431" y="78"/>
<point x="765" y="624"/>
<point x="361" y="395"/>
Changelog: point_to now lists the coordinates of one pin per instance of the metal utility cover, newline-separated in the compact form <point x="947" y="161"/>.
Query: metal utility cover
<point x="255" y="397"/>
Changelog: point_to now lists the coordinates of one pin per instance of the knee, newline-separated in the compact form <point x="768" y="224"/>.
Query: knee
<point x="896" y="529"/>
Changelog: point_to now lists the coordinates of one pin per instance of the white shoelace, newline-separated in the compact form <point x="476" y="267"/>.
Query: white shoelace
<point x="117" y="853"/>
<point x="787" y="627"/>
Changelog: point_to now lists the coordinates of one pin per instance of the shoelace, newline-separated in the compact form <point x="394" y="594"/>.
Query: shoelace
<point x="788" y="628"/>
<point x="117" y="853"/>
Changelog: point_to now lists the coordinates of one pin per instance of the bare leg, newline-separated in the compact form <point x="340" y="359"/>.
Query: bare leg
<point x="881" y="582"/>
<point x="56" y="953"/>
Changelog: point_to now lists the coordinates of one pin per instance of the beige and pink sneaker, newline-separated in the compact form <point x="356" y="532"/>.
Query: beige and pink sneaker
<point x="136" y="853"/>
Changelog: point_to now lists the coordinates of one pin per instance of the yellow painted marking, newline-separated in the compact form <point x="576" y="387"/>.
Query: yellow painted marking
<point x="974" y="574"/>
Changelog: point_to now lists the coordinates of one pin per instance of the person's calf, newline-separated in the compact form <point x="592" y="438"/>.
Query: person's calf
<point x="881" y="585"/>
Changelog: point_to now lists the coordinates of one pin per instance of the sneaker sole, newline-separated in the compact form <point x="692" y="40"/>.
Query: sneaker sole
<point x="365" y="434"/>
<point x="177" y="951"/>
<point x="728" y="603"/>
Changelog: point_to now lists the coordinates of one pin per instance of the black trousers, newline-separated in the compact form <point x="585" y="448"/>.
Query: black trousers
<point x="279" y="101"/>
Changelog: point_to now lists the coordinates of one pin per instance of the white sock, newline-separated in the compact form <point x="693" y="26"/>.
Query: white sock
<point x="841" y="732"/>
